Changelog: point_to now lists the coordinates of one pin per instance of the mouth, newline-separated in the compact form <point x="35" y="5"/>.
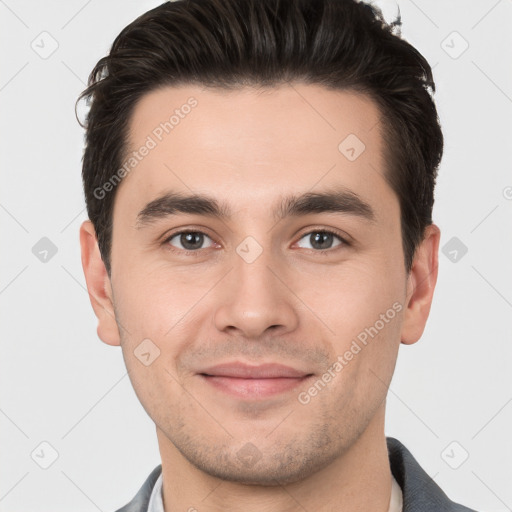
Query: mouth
<point x="253" y="382"/>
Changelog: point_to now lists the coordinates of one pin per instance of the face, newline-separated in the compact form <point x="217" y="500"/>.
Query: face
<point x="260" y="321"/>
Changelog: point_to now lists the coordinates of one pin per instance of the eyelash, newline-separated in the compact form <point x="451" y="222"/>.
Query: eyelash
<point x="198" y="252"/>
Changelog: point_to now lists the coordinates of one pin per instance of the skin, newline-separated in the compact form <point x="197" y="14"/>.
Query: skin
<point x="295" y="304"/>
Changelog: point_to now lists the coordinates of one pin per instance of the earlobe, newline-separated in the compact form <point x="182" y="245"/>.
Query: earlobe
<point x="420" y="286"/>
<point x="98" y="285"/>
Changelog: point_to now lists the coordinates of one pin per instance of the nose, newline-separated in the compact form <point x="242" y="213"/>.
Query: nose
<point x="256" y="300"/>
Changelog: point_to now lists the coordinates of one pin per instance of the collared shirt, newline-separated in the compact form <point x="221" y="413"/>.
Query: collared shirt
<point x="156" y="503"/>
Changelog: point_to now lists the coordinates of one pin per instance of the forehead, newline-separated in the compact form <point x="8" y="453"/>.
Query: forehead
<point x="248" y="144"/>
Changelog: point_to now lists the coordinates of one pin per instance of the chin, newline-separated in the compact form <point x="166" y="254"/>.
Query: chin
<point x="248" y="466"/>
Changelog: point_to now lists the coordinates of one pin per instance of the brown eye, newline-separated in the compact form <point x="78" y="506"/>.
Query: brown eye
<point x="188" y="240"/>
<point x="322" y="240"/>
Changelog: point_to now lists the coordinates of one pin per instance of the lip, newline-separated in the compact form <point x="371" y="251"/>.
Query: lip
<point x="245" y="371"/>
<point x="247" y="381"/>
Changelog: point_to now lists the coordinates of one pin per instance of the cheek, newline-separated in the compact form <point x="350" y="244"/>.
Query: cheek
<point x="153" y="316"/>
<point x="155" y="302"/>
<point x="158" y="312"/>
<point x="352" y="297"/>
<point x="365" y="320"/>
<point x="361" y="305"/>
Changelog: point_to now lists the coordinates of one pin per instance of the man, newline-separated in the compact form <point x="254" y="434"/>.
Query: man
<point x="259" y="179"/>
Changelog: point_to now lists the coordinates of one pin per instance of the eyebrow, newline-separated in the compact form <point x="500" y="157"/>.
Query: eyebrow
<point x="335" y="201"/>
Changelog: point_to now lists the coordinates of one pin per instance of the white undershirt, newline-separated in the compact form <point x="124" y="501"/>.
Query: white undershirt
<point x="396" y="501"/>
<point x="156" y="503"/>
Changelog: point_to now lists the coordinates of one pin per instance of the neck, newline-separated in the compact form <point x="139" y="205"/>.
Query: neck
<point x="358" y="480"/>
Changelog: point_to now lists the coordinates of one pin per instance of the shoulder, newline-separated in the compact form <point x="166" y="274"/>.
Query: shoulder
<point x="420" y="492"/>
<point x="140" y="501"/>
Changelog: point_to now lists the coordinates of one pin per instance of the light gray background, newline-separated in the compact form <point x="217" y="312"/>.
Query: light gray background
<point x="61" y="385"/>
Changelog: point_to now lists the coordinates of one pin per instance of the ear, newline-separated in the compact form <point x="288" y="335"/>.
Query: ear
<point x="420" y="286"/>
<point x="98" y="285"/>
